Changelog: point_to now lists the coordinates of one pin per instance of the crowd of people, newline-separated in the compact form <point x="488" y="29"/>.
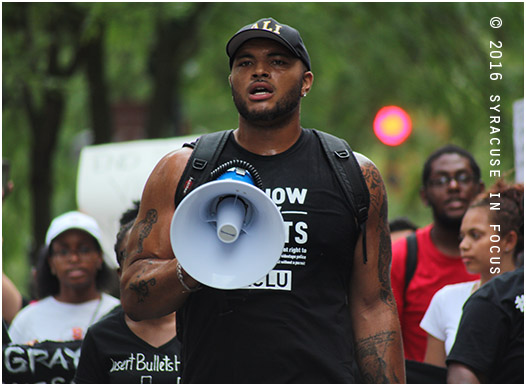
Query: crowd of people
<point x="363" y="308"/>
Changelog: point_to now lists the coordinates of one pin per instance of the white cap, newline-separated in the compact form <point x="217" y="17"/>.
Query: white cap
<point x="73" y="220"/>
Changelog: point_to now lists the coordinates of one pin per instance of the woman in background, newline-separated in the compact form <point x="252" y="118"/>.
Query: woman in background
<point x="71" y="276"/>
<point x="492" y="242"/>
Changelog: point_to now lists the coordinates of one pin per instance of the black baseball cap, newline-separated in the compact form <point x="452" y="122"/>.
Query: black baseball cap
<point x="270" y="29"/>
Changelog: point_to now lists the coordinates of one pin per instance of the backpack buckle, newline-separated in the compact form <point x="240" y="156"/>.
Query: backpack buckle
<point x="342" y="154"/>
<point x="199" y="164"/>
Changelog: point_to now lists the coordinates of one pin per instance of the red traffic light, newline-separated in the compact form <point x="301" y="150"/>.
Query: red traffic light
<point x="392" y="125"/>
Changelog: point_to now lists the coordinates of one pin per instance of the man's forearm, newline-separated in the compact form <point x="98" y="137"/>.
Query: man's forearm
<point x="380" y="354"/>
<point x="152" y="290"/>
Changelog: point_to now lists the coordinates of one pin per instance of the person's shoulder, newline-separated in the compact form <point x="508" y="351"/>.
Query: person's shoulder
<point x="506" y="284"/>
<point x="109" y="303"/>
<point x="175" y="157"/>
<point x="423" y="237"/>
<point x="29" y="316"/>
<point x="165" y="176"/>
<point x="115" y="315"/>
<point x="108" y="322"/>
<point x="107" y="298"/>
<point x="454" y="289"/>
<point x="371" y="175"/>
<point x="516" y="275"/>
<point x="399" y="247"/>
<point x="424" y="230"/>
<point x="363" y="160"/>
<point x="35" y="306"/>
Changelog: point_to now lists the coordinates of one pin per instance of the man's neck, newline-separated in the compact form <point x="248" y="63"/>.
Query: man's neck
<point x="446" y="239"/>
<point x="156" y="332"/>
<point x="268" y="139"/>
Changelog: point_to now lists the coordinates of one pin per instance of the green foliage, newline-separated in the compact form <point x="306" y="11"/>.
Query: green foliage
<point x="432" y="59"/>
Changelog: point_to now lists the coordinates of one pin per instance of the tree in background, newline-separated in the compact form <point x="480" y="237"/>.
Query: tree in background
<point x="43" y="52"/>
<point x="50" y="43"/>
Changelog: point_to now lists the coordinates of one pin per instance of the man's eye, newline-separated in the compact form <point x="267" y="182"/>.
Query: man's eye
<point x="464" y="178"/>
<point x="442" y="180"/>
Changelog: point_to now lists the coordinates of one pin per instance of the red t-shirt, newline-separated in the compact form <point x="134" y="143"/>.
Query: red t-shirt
<point x="434" y="270"/>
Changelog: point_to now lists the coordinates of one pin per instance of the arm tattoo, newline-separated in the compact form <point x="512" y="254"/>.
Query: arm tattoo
<point x="141" y="288"/>
<point x="374" y="179"/>
<point x="370" y="353"/>
<point x="384" y="258"/>
<point x="146" y="224"/>
<point x="379" y="203"/>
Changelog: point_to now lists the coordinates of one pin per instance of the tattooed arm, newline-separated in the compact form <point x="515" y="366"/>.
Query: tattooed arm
<point x="149" y="284"/>
<point x="376" y="327"/>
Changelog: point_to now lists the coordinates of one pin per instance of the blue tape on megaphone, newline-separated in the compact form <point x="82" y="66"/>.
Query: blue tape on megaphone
<point x="237" y="174"/>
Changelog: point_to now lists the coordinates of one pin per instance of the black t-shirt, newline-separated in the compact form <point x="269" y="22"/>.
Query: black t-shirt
<point x="490" y="337"/>
<point x="294" y="326"/>
<point x="112" y="353"/>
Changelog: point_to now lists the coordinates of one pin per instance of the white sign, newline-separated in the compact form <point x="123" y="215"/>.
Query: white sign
<point x="112" y="176"/>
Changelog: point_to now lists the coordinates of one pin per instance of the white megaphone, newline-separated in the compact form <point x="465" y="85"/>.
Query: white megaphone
<point x="227" y="233"/>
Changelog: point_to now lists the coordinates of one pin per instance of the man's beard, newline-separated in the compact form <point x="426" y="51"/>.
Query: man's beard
<point x="447" y="221"/>
<point x="281" y="111"/>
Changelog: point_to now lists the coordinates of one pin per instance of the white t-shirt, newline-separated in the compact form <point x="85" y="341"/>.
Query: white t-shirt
<point x="49" y="319"/>
<point x="444" y="312"/>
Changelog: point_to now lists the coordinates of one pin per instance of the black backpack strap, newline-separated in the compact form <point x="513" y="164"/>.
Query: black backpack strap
<point x="201" y="163"/>
<point x="350" y="177"/>
<point x="411" y="260"/>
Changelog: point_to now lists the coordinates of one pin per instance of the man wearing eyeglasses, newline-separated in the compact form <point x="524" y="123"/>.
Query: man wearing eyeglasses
<point x="451" y="179"/>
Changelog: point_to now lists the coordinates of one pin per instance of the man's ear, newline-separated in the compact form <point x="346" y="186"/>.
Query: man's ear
<point x="308" y="79"/>
<point x="230" y="80"/>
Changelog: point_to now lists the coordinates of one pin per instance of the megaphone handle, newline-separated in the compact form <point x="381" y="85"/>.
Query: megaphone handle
<point x="181" y="280"/>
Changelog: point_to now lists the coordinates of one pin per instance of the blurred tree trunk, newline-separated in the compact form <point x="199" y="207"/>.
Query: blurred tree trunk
<point x="94" y="60"/>
<point x="176" y="42"/>
<point x="44" y="124"/>
<point x="45" y="103"/>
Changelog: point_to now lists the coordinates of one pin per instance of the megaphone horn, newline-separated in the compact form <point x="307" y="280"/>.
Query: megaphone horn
<point x="228" y="233"/>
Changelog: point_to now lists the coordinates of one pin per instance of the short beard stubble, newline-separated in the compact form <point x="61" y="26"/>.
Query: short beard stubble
<point x="447" y="221"/>
<point x="281" y="111"/>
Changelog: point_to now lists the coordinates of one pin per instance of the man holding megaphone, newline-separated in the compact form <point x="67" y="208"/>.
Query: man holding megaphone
<point x="273" y="278"/>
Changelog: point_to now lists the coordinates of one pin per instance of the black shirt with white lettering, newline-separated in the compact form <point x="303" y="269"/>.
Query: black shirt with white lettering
<point x="292" y="326"/>
<point x="490" y="338"/>
<point x="112" y="353"/>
